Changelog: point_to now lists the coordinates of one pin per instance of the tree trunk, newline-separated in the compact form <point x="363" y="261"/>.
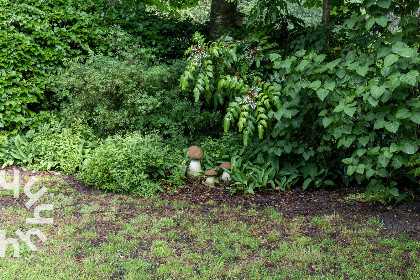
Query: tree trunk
<point x="326" y="10"/>
<point x="222" y="17"/>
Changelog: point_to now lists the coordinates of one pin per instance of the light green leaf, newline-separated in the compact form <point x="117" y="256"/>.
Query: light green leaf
<point x="383" y="3"/>
<point x="369" y="23"/>
<point x="315" y="85"/>
<point x="392" y="126"/>
<point x="363" y="140"/>
<point x="383" y="160"/>
<point x="362" y="70"/>
<point x="322" y="93"/>
<point x="390" y="59"/>
<point x="377" y="91"/>
<point x="408" y="148"/>
<point x="415" y="117"/>
<point x="403" y="114"/>
<point x="382" y="21"/>
<point x="350" y="111"/>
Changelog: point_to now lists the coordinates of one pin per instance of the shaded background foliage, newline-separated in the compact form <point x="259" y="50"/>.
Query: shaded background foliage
<point x="316" y="102"/>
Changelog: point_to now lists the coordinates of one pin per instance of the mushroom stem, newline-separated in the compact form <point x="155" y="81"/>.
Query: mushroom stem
<point x="194" y="169"/>
<point x="209" y="181"/>
<point x="225" y="176"/>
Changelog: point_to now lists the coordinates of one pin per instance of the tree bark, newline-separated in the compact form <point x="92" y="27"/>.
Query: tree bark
<point x="326" y="11"/>
<point x="222" y="17"/>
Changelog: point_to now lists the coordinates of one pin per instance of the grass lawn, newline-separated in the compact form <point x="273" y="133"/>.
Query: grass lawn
<point x="200" y="234"/>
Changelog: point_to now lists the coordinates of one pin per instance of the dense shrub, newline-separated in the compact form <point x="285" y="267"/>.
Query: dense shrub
<point x="37" y="37"/>
<point x="132" y="164"/>
<point x="125" y="91"/>
<point x="61" y="147"/>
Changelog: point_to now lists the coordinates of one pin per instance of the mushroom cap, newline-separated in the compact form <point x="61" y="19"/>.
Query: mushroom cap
<point x="211" y="172"/>
<point x="195" y="152"/>
<point x="226" y="165"/>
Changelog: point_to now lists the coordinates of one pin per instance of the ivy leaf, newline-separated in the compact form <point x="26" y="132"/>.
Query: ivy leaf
<point x="390" y="59"/>
<point x="377" y="91"/>
<point x="322" y="93"/>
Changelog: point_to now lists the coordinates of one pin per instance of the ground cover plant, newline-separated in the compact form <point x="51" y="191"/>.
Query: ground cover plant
<point x="197" y="233"/>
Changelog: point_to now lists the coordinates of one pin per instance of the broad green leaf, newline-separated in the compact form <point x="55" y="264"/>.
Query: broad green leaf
<point x="383" y="160"/>
<point x="351" y="169"/>
<point x="363" y="140"/>
<point x="415" y="117"/>
<point x="403" y="114"/>
<point x="369" y="173"/>
<point x="370" y="22"/>
<point x="326" y="121"/>
<point x="329" y="85"/>
<point x="409" y="78"/>
<point x="319" y="58"/>
<point x="376" y="91"/>
<point x="408" y="148"/>
<point x="350" y="111"/>
<point x="362" y="70"/>
<point x="392" y="126"/>
<point x="393" y="191"/>
<point x="383" y="3"/>
<point x="390" y="59"/>
<point x="315" y="85"/>
<point x="402" y="49"/>
<point x="361" y="152"/>
<point x="382" y="21"/>
<point x="322" y="93"/>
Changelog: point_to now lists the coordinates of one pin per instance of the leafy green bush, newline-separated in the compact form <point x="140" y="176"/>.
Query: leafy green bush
<point x="126" y="92"/>
<point x="132" y="164"/>
<point x="16" y="150"/>
<point x="353" y="115"/>
<point x="62" y="148"/>
<point x="38" y="37"/>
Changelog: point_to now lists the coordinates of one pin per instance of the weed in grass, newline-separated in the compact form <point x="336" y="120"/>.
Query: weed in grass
<point x="210" y="202"/>
<point x="180" y="204"/>
<point x="318" y="222"/>
<point x="375" y="221"/>
<point x="161" y="249"/>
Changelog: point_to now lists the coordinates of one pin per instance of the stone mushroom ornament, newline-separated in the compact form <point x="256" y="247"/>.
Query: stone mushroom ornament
<point x="210" y="177"/>
<point x="225" y="176"/>
<point x="194" y="170"/>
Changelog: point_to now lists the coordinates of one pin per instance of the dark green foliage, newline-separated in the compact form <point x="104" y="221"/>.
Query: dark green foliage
<point x="350" y="114"/>
<point x="132" y="164"/>
<point x="126" y="92"/>
<point x="37" y="37"/>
